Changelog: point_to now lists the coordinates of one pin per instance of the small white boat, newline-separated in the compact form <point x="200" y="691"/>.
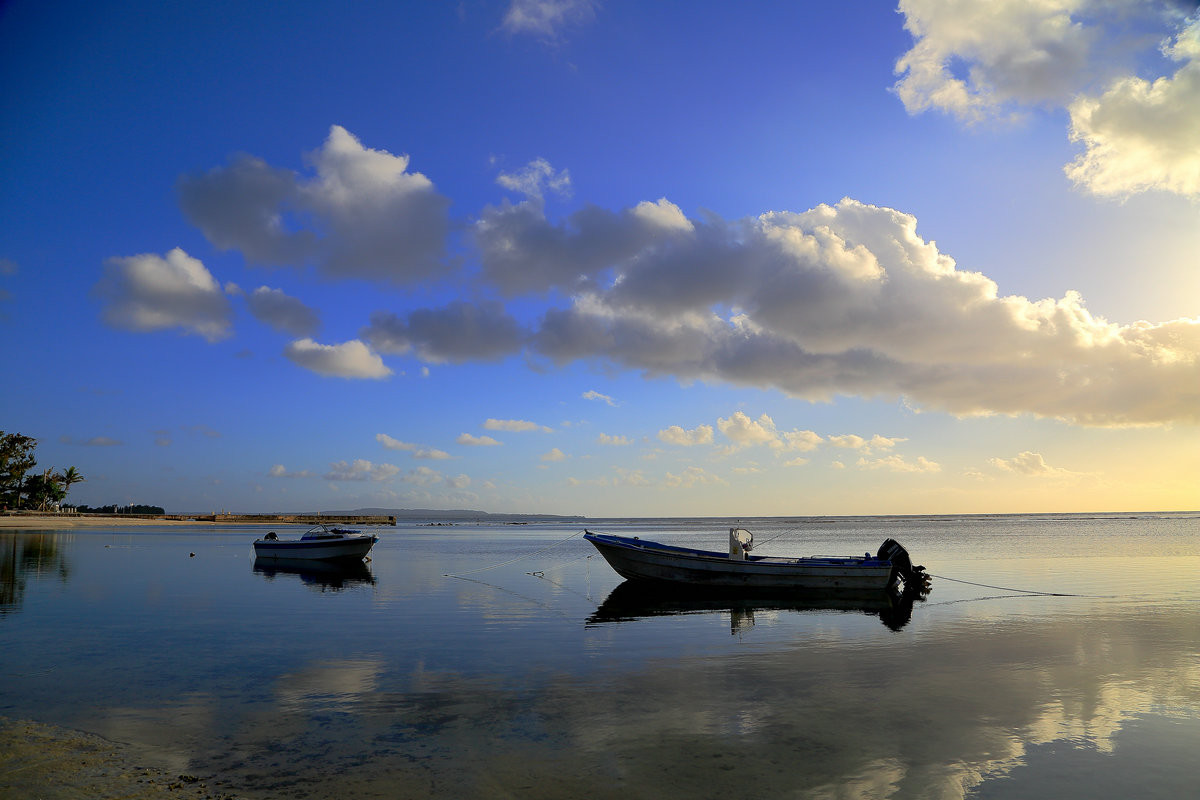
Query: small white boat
<point x="321" y="543"/>
<point x="638" y="559"/>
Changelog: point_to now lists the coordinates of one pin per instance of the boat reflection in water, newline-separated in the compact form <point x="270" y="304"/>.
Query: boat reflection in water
<point x="633" y="600"/>
<point x="323" y="576"/>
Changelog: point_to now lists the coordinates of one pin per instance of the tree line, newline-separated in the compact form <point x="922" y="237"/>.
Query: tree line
<point x="133" y="508"/>
<point x="21" y="489"/>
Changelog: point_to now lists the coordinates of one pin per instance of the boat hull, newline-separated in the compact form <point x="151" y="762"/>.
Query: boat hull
<point x="640" y="560"/>
<point x="347" y="548"/>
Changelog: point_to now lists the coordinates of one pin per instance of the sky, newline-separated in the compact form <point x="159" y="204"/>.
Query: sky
<point x="605" y="258"/>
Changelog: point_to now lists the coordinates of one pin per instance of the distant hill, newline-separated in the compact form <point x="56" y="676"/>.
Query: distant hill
<point x="456" y="515"/>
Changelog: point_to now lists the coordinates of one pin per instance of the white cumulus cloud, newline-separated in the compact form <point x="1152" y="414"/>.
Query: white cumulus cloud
<point x="980" y="61"/>
<point x="616" y="441"/>
<point x="149" y="292"/>
<point x="476" y="441"/>
<point x="1031" y="465"/>
<point x="1143" y="134"/>
<point x="535" y="178"/>
<point x="594" y="395"/>
<point x="417" y="450"/>
<point x="368" y="216"/>
<point x="678" y="435"/>
<point x="279" y="471"/>
<point x="351" y="359"/>
<point x="971" y="59"/>
<point x="360" y="470"/>
<point x="896" y="463"/>
<point x="692" y="477"/>
<point x="744" y="432"/>
<point x="804" y="441"/>
<point x="554" y="455"/>
<point x="852" y="441"/>
<point x="514" y="426"/>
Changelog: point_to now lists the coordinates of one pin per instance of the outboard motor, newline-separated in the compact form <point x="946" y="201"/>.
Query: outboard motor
<point x="914" y="578"/>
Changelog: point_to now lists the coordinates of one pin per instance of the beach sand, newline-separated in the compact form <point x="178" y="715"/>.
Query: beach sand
<point x="55" y="522"/>
<point x="52" y="763"/>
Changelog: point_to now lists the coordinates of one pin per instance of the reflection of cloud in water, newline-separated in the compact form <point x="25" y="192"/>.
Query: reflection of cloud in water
<point x="334" y="685"/>
<point x="878" y="779"/>
<point x="880" y="720"/>
<point x="931" y="713"/>
<point x="166" y="737"/>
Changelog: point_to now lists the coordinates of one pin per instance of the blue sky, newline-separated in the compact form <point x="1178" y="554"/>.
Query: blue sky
<point x="606" y="258"/>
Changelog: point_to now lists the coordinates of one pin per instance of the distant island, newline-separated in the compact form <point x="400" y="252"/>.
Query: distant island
<point x="453" y="515"/>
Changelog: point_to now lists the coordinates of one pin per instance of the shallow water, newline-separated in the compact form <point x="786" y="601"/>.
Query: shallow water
<point x="395" y="680"/>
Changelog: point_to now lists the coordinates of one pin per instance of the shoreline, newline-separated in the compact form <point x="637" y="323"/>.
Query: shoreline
<point x="52" y="762"/>
<point x="10" y="520"/>
<point x="67" y="521"/>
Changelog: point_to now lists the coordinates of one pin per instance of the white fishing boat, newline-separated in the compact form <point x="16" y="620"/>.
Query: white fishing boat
<point x="642" y="560"/>
<point x="321" y="543"/>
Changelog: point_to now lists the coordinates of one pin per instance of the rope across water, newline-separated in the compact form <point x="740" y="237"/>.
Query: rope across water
<point x="1005" y="588"/>
<point x="512" y="560"/>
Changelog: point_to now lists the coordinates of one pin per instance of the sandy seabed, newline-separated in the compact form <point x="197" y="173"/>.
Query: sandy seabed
<point x="50" y="763"/>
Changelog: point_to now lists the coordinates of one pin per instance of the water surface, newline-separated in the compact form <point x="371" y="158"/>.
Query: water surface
<point x="394" y="680"/>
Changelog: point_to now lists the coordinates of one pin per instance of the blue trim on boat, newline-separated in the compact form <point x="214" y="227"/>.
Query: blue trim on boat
<point x="634" y="543"/>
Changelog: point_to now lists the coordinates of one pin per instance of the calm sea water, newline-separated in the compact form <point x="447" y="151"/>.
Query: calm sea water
<point x="394" y="680"/>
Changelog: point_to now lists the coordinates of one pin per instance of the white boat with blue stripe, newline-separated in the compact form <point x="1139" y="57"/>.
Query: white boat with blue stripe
<point x="322" y="543"/>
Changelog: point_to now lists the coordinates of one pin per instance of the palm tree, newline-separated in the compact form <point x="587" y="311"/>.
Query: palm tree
<point x="45" y="490"/>
<point x="67" y="477"/>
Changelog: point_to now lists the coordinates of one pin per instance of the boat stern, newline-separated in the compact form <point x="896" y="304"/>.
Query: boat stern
<point x="914" y="577"/>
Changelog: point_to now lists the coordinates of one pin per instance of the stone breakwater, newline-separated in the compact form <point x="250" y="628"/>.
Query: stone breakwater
<point x="293" y="519"/>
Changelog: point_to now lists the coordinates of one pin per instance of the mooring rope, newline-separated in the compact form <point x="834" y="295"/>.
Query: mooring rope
<point x="973" y="600"/>
<point x="511" y="560"/>
<point x="773" y="538"/>
<point x="524" y="597"/>
<point x="541" y="575"/>
<point x="1005" y="588"/>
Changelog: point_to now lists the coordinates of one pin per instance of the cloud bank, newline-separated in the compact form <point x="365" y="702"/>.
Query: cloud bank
<point x="842" y="299"/>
